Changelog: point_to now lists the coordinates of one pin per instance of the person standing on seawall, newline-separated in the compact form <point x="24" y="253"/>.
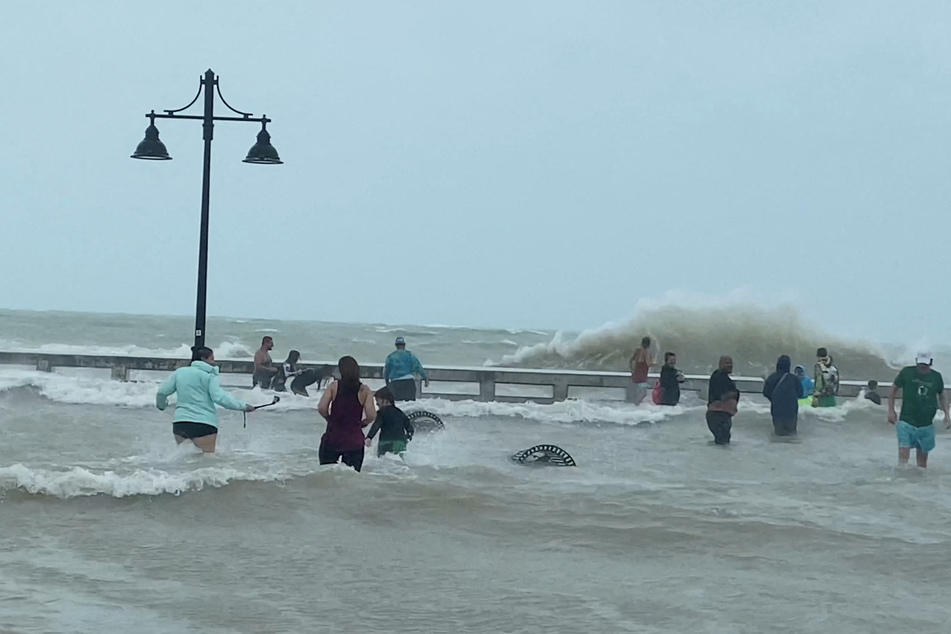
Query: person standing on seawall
<point x="922" y="393"/>
<point x="722" y="401"/>
<point x="826" y="380"/>
<point x="783" y="391"/>
<point x="400" y="372"/>
<point x="347" y="406"/>
<point x="199" y="391"/>
<point x="641" y="362"/>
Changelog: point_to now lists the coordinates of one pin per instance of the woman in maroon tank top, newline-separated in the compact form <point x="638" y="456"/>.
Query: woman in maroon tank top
<point x="348" y="407"/>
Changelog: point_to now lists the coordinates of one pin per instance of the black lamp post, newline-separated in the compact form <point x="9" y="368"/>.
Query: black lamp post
<point x="261" y="153"/>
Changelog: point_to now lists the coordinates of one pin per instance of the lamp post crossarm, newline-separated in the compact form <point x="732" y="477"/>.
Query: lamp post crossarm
<point x="196" y="117"/>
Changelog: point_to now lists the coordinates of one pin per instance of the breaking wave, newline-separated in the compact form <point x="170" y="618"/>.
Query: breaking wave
<point x="752" y="335"/>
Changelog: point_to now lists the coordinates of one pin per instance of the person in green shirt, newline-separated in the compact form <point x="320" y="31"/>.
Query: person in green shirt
<point x="922" y="393"/>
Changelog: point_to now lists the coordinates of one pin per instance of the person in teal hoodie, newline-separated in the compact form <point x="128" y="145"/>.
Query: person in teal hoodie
<point x="400" y="372"/>
<point x="199" y="391"/>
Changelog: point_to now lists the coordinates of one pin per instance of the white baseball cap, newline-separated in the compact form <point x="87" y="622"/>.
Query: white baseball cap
<point x="924" y="357"/>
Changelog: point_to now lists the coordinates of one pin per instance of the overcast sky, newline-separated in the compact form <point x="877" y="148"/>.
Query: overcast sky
<point x="512" y="164"/>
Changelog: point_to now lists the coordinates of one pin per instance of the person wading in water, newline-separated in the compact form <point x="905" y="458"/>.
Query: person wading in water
<point x="347" y="405"/>
<point x="199" y="391"/>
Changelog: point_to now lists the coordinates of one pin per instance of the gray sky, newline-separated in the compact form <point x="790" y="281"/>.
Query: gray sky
<point x="508" y="163"/>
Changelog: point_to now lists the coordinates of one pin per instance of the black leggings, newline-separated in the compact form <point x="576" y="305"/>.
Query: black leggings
<point x="720" y="424"/>
<point x="328" y="455"/>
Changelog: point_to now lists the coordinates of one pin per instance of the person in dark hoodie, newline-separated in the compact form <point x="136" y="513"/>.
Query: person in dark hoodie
<point x="670" y="380"/>
<point x="722" y="401"/>
<point x="783" y="391"/>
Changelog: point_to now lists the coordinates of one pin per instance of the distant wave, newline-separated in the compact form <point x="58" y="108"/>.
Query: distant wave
<point x="224" y="350"/>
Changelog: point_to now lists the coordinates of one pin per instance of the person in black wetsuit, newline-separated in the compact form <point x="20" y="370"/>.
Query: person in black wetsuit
<point x="722" y="401"/>
<point x="670" y="380"/>
<point x="783" y="391"/>
<point x="300" y="379"/>
<point x="396" y="429"/>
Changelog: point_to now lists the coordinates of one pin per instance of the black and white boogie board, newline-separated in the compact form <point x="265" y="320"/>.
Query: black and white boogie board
<point x="544" y="455"/>
<point x="425" y="421"/>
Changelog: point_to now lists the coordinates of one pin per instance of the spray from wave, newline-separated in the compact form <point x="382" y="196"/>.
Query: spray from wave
<point x="754" y="336"/>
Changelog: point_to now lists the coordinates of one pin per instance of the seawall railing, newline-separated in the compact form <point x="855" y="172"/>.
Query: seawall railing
<point x="483" y="383"/>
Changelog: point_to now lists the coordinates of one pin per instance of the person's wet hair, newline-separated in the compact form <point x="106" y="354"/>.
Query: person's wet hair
<point x="385" y="394"/>
<point x="202" y="354"/>
<point x="349" y="374"/>
<point x="822" y="352"/>
<point x="873" y="384"/>
<point x="646" y="342"/>
<point x="668" y="355"/>
<point x="293" y="357"/>
<point x="265" y="339"/>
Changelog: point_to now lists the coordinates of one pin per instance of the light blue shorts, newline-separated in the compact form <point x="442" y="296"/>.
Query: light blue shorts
<point x="911" y="437"/>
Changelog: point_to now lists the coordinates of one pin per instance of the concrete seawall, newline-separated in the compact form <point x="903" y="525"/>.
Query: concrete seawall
<point x="449" y="382"/>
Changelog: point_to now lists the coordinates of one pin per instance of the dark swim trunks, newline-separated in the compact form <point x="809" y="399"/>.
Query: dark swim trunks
<point x="193" y="430"/>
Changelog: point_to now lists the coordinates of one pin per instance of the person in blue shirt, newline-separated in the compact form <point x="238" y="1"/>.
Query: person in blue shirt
<point x="199" y="392"/>
<point x="808" y="385"/>
<point x="400" y="372"/>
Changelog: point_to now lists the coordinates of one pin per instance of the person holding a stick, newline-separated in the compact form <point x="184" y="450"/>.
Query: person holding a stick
<point x="199" y="393"/>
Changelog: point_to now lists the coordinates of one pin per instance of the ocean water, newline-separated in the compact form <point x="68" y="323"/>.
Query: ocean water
<point x="107" y="526"/>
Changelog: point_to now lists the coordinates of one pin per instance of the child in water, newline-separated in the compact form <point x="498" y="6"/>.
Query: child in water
<point x="394" y="426"/>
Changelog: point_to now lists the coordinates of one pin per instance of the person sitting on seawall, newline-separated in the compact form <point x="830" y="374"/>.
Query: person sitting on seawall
<point x="641" y="363"/>
<point x="300" y="379"/>
<point x="199" y="390"/>
<point x="400" y="372"/>
<point x="826" y="380"/>
<point x="396" y="429"/>
<point x="670" y="380"/>
<point x="264" y="370"/>
<point x="871" y="392"/>
<point x="347" y="406"/>
<point x="722" y="401"/>
<point x="922" y="393"/>
<point x="808" y="385"/>
<point x="783" y="391"/>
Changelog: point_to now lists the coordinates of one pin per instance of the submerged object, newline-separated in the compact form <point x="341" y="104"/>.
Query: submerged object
<point x="544" y="455"/>
<point x="425" y="421"/>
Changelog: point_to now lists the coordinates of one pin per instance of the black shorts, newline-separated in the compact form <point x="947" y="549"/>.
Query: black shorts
<point x="403" y="389"/>
<point x="193" y="430"/>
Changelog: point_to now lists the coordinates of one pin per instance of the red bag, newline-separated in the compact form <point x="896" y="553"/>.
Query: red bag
<point x="657" y="394"/>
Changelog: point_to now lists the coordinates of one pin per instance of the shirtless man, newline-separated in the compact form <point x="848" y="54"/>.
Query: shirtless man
<point x="264" y="369"/>
<point x="641" y="361"/>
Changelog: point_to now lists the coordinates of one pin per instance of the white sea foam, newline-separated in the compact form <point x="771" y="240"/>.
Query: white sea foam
<point x="102" y="391"/>
<point x="81" y="481"/>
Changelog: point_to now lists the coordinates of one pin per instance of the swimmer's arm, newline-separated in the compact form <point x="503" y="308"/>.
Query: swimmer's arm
<point x="943" y="402"/>
<point x="166" y="389"/>
<point x="420" y="370"/>
<point x="892" y="393"/>
<point x="375" y="427"/>
<point x="219" y="396"/>
<point x="323" y="408"/>
<point x="369" y="407"/>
